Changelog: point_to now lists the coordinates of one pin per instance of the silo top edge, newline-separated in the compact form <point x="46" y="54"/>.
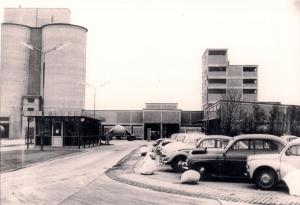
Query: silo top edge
<point x="53" y="24"/>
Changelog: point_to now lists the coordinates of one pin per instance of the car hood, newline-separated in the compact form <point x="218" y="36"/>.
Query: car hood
<point x="263" y="156"/>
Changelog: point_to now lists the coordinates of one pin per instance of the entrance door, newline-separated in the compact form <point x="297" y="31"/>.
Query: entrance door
<point x="57" y="136"/>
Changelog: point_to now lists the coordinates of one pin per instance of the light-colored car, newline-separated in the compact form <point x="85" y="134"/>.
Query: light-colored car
<point x="157" y="143"/>
<point x="177" y="137"/>
<point x="267" y="170"/>
<point x="209" y="142"/>
<point x="189" y="141"/>
<point x="289" y="138"/>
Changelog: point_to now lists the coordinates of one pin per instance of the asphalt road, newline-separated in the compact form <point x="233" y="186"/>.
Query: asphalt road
<point x="80" y="179"/>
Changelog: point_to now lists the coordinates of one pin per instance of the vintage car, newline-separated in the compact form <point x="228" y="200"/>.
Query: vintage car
<point x="210" y="142"/>
<point x="165" y="140"/>
<point x="179" y="137"/>
<point x="189" y="142"/>
<point x="268" y="170"/>
<point x="232" y="160"/>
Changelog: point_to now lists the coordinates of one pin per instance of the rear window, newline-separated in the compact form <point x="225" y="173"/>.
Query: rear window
<point x="268" y="145"/>
<point x="293" y="151"/>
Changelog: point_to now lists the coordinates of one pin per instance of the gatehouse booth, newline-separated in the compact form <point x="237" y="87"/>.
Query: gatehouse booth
<point x="60" y="129"/>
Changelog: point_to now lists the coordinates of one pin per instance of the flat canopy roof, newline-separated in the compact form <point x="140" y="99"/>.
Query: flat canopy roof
<point x="62" y="114"/>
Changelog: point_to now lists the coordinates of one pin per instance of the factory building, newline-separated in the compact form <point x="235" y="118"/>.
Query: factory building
<point x="43" y="65"/>
<point x="42" y="87"/>
<point x="219" y="77"/>
<point x="156" y="120"/>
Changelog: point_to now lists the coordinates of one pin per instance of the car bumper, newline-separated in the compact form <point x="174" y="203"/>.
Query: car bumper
<point x="185" y="166"/>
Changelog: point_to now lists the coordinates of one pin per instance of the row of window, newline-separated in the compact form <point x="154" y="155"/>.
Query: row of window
<point x="223" y="91"/>
<point x="223" y="81"/>
<point x="223" y="69"/>
<point x="217" y="53"/>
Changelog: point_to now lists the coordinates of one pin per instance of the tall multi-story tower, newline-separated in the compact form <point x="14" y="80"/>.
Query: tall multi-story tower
<point x="218" y="77"/>
<point x="21" y="66"/>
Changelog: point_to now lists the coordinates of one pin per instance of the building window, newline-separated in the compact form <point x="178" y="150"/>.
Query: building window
<point x="216" y="91"/>
<point x="249" y="81"/>
<point x="30" y="100"/>
<point x="249" y="69"/>
<point x="217" y="69"/>
<point x="217" y="53"/>
<point x="217" y="81"/>
<point x="30" y="109"/>
<point x="249" y="91"/>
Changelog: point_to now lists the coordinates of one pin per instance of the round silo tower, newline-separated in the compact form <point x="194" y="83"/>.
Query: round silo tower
<point x="64" y="68"/>
<point x="14" y="74"/>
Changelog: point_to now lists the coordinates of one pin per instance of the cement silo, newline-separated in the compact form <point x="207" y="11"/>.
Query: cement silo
<point x="64" y="68"/>
<point x="14" y="73"/>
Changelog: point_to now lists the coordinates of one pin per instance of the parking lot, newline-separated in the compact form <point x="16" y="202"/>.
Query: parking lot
<point x="165" y="180"/>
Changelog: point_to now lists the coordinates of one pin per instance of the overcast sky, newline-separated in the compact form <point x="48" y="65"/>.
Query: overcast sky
<point x="150" y="50"/>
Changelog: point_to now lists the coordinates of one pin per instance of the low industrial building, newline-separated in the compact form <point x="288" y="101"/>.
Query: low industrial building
<point x="252" y="117"/>
<point x="154" y="121"/>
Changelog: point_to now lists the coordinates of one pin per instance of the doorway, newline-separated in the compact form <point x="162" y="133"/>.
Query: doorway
<point x="57" y="136"/>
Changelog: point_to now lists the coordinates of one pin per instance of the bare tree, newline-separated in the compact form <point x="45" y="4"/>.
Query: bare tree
<point x="259" y="117"/>
<point x="230" y="112"/>
<point x="276" y="121"/>
<point x="293" y="119"/>
<point x="247" y="123"/>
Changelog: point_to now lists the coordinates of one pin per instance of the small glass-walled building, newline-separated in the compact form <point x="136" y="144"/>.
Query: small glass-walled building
<point x="59" y="129"/>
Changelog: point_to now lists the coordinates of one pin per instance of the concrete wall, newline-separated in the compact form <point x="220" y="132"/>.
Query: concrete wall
<point x="162" y="116"/>
<point x="120" y="116"/>
<point x="189" y="118"/>
<point x="35" y="62"/>
<point x="14" y="74"/>
<point x="235" y="71"/>
<point x="36" y="17"/>
<point x="65" y="68"/>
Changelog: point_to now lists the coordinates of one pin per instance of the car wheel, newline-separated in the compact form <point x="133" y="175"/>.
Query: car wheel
<point x="177" y="165"/>
<point x="266" y="179"/>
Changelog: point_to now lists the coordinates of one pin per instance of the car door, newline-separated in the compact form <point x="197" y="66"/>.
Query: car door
<point x="236" y="157"/>
<point x="290" y="160"/>
<point x="211" y="146"/>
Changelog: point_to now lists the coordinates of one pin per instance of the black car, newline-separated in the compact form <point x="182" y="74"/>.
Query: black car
<point x="232" y="160"/>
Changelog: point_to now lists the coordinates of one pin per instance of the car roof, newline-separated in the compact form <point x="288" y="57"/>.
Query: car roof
<point x="294" y="142"/>
<point x="217" y="137"/>
<point x="288" y="136"/>
<point x="260" y="136"/>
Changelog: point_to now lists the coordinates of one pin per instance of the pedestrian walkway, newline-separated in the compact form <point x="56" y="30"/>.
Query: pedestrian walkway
<point x="11" y="142"/>
<point x="127" y="172"/>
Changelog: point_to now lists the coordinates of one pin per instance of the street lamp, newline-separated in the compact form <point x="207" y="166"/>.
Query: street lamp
<point x="95" y="88"/>
<point x="43" y="54"/>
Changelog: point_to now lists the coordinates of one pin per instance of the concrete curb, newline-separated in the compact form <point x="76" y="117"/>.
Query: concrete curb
<point x="120" y="168"/>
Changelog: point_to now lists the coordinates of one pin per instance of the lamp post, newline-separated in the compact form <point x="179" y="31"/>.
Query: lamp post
<point x="43" y="57"/>
<point x="95" y="90"/>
